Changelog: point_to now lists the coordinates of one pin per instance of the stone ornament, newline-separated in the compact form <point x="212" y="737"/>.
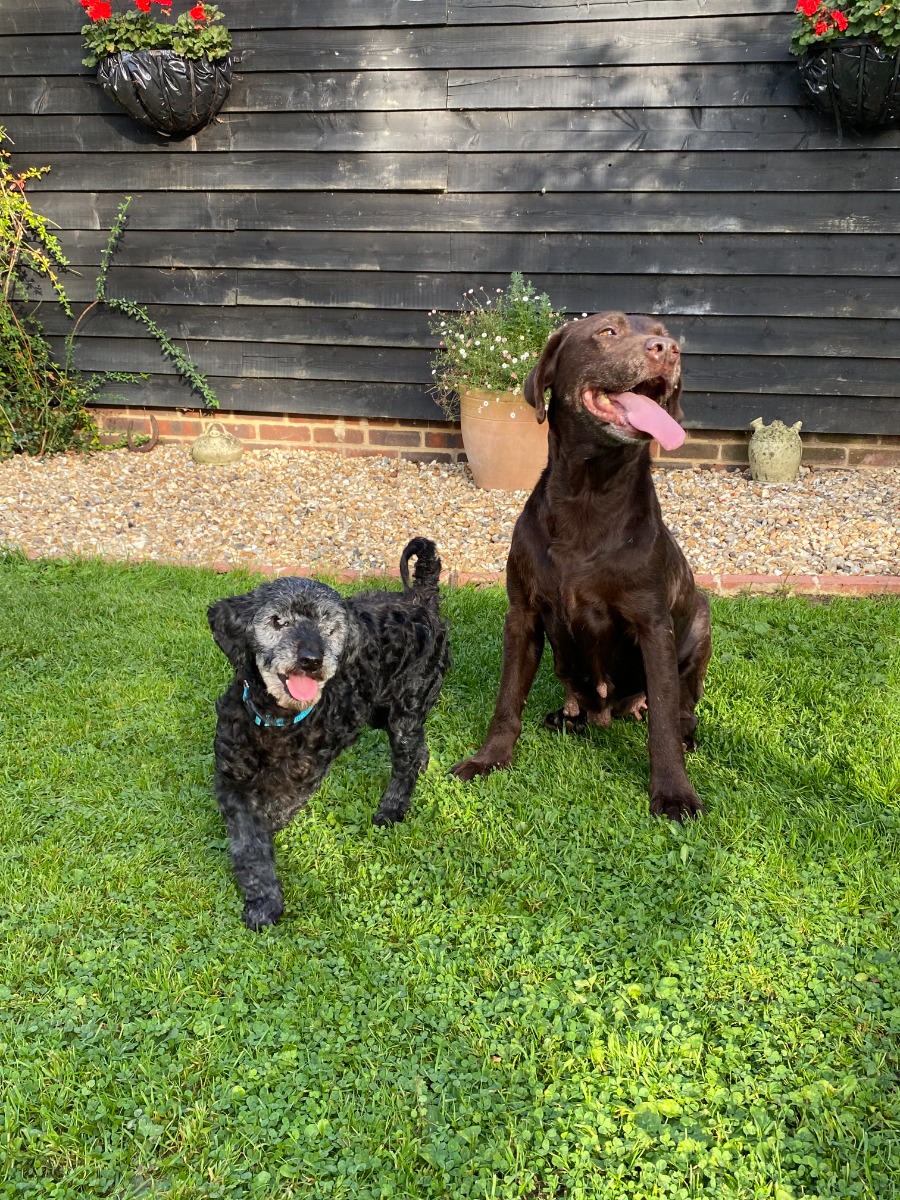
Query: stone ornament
<point x="216" y="446"/>
<point x="775" y="451"/>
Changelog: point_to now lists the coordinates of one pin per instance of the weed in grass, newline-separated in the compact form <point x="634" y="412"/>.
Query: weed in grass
<point x="529" y="989"/>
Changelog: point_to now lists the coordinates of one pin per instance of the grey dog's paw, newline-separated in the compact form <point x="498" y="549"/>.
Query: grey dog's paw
<point x="263" y="911"/>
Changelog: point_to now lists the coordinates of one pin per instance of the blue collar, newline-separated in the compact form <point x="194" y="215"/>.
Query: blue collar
<point x="264" y="719"/>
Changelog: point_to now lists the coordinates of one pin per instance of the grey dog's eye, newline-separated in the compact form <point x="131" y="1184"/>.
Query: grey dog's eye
<point x="277" y="623"/>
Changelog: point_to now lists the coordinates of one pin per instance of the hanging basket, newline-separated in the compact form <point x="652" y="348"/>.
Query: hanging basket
<point x="855" y="81"/>
<point x="161" y="89"/>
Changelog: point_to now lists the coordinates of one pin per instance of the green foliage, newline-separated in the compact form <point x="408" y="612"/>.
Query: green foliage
<point x="490" y="342"/>
<point x="530" y="988"/>
<point x="207" y="37"/>
<point x="817" y="22"/>
<point x="43" y="404"/>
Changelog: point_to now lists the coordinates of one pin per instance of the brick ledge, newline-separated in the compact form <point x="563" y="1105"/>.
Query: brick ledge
<point x="719" y="583"/>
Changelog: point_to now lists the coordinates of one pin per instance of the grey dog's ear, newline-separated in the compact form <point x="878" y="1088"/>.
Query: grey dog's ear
<point x="229" y="621"/>
<point x="540" y="377"/>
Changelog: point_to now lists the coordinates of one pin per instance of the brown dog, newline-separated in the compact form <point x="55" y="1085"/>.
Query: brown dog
<point x="593" y="567"/>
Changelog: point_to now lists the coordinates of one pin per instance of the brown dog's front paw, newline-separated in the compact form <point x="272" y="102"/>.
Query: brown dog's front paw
<point x="478" y="765"/>
<point x="561" y="720"/>
<point x="677" y="806"/>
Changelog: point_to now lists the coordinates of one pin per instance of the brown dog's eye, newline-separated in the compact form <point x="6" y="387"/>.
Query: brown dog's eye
<point x="608" y="332"/>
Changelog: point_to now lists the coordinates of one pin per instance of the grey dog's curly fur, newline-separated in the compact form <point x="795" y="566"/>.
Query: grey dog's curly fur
<point x="377" y="659"/>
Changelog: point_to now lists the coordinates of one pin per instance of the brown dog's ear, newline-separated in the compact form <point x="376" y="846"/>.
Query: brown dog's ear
<point x="541" y="375"/>
<point x="229" y="620"/>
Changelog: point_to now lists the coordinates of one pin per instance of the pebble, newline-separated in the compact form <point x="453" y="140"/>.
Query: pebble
<point x="317" y="510"/>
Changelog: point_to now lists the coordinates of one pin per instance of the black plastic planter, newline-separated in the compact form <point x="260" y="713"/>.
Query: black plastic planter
<point x="161" y="89"/>
<point x="856" y="81"/>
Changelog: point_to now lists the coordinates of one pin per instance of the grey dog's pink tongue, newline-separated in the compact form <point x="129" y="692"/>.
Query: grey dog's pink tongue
<point x="302" y="687"/>
<point x="643" y="414"/>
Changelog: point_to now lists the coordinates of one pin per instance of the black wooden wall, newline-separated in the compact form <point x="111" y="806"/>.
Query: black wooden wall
<point x="378" y="157"/>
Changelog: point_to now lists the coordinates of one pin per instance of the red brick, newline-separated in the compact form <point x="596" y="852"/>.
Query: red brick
<point x="351" y="435"/>
<point x="450" y="441"/>
<point x="378" y="437"/>
<point x="427" y="456"/>
<point x="690" y="449"/>
<point x="874" y="458"/>
<point x="283" y="433"/>
<point x="824" y="456"/>
<point x="189" y="427"/>
<point x="838" y="439"/>
<point x="733" y="453"/>
<point x="859" y="585"/>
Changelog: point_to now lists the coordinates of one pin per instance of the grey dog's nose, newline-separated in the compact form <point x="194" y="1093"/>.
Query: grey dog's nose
<point x="308" y="650"/>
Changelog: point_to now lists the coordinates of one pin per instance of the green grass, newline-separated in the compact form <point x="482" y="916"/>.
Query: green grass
<point x="529" y="989"/>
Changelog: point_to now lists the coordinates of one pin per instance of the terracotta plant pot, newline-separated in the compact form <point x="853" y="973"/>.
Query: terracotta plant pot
<point x="159" y="88"/>
<point x="855" y="81"/>
<point x="505" y="445"/>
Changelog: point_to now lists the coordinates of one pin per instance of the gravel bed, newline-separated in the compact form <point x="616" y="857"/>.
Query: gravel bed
<point x="298" y="508"/>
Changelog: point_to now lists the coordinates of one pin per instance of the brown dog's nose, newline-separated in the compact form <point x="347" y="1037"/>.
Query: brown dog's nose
<point x="660" y="348"/>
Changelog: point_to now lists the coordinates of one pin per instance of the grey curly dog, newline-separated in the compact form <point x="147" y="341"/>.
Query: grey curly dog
<point x="311" y="670"/>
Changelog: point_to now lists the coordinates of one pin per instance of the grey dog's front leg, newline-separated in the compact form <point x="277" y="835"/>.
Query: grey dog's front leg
<point x="253" y="859"/>
<point x="409" y="757"/>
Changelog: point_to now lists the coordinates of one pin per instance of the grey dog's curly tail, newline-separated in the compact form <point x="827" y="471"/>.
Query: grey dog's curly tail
<point x="427" y="570"/>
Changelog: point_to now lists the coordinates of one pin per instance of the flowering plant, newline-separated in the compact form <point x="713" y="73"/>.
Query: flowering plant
<point x="816" y="23"/>
<point x="198" y="33"/>
<point x="491" y="342"/>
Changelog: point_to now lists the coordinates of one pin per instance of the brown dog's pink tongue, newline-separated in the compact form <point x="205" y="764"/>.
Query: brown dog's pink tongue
<point x="302" y="687"/>
<point x="643" y="414"/>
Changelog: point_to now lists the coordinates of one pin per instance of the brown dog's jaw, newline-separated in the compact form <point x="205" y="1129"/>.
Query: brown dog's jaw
<point x="599" y="405"/>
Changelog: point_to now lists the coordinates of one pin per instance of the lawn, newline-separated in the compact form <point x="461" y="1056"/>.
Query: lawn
<point x="531" y="988"/>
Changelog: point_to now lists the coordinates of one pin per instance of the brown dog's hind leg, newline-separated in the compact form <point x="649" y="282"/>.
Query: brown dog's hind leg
<point x="694" y="655"/>
<point x="523" y="641"/>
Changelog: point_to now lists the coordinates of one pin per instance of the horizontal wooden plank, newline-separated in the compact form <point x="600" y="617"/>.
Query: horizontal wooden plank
<point x="599" y="99"/>
<point x="740" y="374"/>
<point x="253" y="173"/>
<point x="316" y="397"/>
<point x="736" y="39"/>
<point x="772" y="336"/>
<point x="708" y="410"/>
<point x="261" y="360"/>
<point x="268" y="94"/>
<point x="323" y="326"/>
<point x="851" y="170"/>
<point x="610" y="86"/>
<point x="555" y="212"/>
<point x="711" y="171"/>
<point x="555" y="253"/>
<point x="684" y="295"/>
<point x="724" y="410"/>
<point x="530" y="132"/>
<point x="62" y="16"/>
<point x="468" y="12"/>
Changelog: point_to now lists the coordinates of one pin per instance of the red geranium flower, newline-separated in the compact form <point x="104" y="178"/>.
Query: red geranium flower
<point x="821" y="27"/>
<point x="143" y="5"/>
<point x="840" y="20"/>
<point x="199" y="13"/>
<point x="163" y="3"/>
<point x="808" y="7"/>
